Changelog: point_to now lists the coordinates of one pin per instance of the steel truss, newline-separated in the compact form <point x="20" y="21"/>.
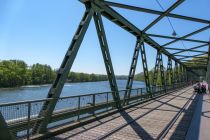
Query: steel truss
<point x="169" y="73"/>
<point x="107" y="57"/>
<point x="145" y="69"/>
<point x="56" y="88"/>
<point x="132" y="70"/>
<point x="98" y="8"/>
<point x="158" y="66"/>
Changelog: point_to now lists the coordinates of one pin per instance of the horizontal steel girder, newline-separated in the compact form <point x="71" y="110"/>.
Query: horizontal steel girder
<point x="181" y="59"/>
<point x="188" y="35"/>
<point x="191" y="49"/>
<point x="140" y="9"/>
<point x="187" y="56"/>
<point x="200" y="46"/>
<point x="118" y="19"/>
<point x="184" y="39"/>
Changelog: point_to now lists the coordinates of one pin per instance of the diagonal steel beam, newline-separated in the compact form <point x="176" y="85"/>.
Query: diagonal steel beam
<point x="156" y="12"/>
<point x="177" y="3"/>
<point x="57" y="86"/>
<point x="188" y="35"/>
<point x="106" y="57"/>
<point x="171" y="37"/>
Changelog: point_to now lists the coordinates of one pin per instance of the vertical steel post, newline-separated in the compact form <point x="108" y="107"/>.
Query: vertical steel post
<point x="132" y="71"/>
<point x="157" y="64"/>
<point x="176" y="73"/>
<point x="145" y="68"/>
<point x="168" y="72"/>
<point x="107" y="57"/>
<point x="162" y="72"/>
<point x="171" y="74"/>
<point x="57" y="86"/>
<point x="208" y="74"/>
<point x="28" y="119"/>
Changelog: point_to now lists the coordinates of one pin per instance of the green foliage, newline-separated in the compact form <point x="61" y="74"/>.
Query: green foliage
<point x="15" y="73"/>
<point x="140" y="77"/>
<point x="83" y="77"/>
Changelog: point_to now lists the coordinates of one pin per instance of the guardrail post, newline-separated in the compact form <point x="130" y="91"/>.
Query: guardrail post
<point x="28" y="120"/>
<point x="78" y="108"/>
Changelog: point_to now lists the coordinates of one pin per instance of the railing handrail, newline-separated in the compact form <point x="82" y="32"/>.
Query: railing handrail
<point x="64" y="97"/>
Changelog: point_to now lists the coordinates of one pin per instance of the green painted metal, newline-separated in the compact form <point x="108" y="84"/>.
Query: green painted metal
<point x="168" y="72"/>
<point x="172" y="37"/>
<point x="162" y="72"/>
<point x="177" y="3"/>
<point x="132" y="71"/>
<point x="155" y="74"/>
<point x="57" y="86"/>
<point x="107" y="57"/>
<point x="176" y="74"/>
<point x="140" y="9"/>
<point x="188" y="35"/>
<point x="145" y="69"/>
<point x="5" y="133"/>
<point x="187" y="56"/>
<point x="118" y="19"/>
<point x="171" y="73"/>
<point x="158" y="66"/>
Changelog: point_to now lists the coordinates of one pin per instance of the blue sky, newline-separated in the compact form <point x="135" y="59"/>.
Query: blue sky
<point x="40" y="32"/>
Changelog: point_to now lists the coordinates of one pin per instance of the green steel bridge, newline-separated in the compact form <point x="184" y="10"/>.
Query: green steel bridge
<point x="168" y="111"/>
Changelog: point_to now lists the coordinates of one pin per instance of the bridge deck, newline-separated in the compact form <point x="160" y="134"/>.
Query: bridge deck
<point x="166" y="117"/>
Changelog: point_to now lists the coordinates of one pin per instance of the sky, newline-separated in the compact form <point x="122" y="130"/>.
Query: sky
<point x="40" y="31"/>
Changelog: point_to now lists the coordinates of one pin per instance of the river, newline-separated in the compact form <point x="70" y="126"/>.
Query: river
<point x="70" y="89"/>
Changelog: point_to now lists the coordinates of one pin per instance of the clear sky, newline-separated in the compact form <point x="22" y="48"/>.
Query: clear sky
<point x="40" y="31"/>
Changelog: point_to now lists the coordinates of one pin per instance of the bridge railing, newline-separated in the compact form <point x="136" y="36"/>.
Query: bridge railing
<point x="21" y="116"/>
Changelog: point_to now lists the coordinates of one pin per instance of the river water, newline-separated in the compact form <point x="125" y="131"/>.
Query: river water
<point x="70" y="89"/>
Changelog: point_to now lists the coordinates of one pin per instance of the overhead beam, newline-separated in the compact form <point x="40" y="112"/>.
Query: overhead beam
<point x="188" y="35"/>
<point x="156" y="12"/>
<point x="192" y="57"/>
<point x="191" y="49"/>
<point x="118" y="19"/>
<point x="186" y="56"/>
<point x="171" y="37"/>
<point x="193" y="61"/>
<point x="177" y="3"/>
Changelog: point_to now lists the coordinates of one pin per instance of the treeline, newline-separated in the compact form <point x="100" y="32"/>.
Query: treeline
<point x="84" y="77"/>
<point x="15" y="73"/>
<point x="140" y="77"/>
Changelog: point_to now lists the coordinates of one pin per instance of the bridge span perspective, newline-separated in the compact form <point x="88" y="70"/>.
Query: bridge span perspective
<point x="171" y="105"/>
